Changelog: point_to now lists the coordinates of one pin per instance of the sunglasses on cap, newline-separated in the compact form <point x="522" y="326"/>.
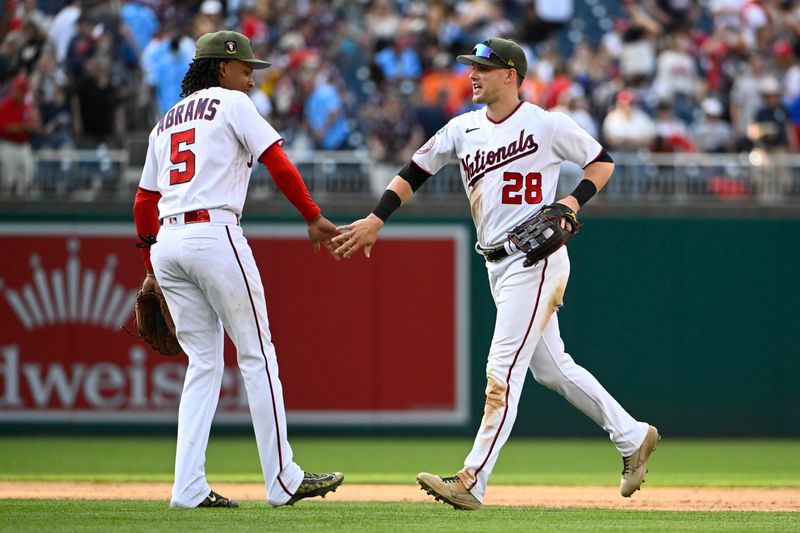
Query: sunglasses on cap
<point x="482" y="50"/>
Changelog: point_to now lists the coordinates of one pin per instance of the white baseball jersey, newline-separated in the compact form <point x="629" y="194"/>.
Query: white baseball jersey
<point x="200" y="154"/>
<point x="509" y="169"/>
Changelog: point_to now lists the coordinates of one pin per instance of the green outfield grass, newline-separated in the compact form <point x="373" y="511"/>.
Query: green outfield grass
<point x="676" y="462"/>
<point x="134" y="516"/>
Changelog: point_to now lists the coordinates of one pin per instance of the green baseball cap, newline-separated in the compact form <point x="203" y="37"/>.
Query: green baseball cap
<point x="497" y="53"/>
<point x="228" y="45"/>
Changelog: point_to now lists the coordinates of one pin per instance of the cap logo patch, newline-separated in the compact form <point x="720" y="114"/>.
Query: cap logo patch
<point x="230" y="47"/>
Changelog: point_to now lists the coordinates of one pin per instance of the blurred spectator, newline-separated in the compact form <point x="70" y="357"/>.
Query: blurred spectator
<point x="431" y="118"/>
<point x="672" y="14"/>
<point x="28" y="12"/>
<point x="64" y="27"/>
<point x="671" y="132"/>
<point x="676" y="75"/>
<point x="587" y="67"/>
<point x="578" y="110"/>
<point x="637" y="58"/>
<point x="209" y="19"/>
<point x="382" y="22"/>
<point x="169" y="64"/>
<point x="324" y="110"/>
<point x="350" y="58"/>
<point x="48" y="82"/>
<point x="10" y="59"/>
<point x="745" y="97"/>
<point x="400" y="60"/>
<point x="34" y="39"/>
<point x="787" y="69"/>
<point x="712" y="133"/>
<point x="627" y="127"/>
<point x="551" y="15"/>
<point x="560" y="83"/>
<point x="253" y="26"/>
<point x="441" y="86"/>
<point x="97" y="113"/>
<point x="19" y="121"/>
<point x="725" y="12"/>
<point x="757" y="25"/>
<point x="81" y="48"/>
<point x="771" y="128"/>
<point x="141" y="21"/>
<point x="482" y="19"/>
<point x="392" y="135"/>
<point x="533" y="90"/>
<point x="320" y="25"/>
<point x="611" y="41"/>
<point x="772" y="134"/>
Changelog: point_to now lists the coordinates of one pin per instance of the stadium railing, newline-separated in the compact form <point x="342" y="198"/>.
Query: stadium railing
<point x="665" y="178"/>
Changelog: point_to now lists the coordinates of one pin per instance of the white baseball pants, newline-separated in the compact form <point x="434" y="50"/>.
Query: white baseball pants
<point x="210" y="281"/>
<point x="526" y="336"/>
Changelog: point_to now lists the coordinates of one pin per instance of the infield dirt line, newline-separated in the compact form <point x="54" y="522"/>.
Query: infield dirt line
<point x="653" y="498"/>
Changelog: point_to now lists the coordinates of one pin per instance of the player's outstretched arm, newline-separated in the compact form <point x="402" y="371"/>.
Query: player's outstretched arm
<point x="364" y="232"/>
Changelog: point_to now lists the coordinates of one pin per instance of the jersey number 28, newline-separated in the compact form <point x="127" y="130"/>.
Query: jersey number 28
<point x="518" y="188"/>
<point x="178" y="156"/>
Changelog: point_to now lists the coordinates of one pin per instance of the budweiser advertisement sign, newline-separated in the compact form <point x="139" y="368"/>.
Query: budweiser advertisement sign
<point x="359" y="342"/>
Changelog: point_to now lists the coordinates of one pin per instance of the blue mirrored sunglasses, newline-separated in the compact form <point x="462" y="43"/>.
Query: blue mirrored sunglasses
<point x="482" y="50"/>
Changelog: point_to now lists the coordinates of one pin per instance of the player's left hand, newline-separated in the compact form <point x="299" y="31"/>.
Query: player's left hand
<point x="573" y="204"/>
<point x="321" y="231"/>
<point x="360" y="234"/>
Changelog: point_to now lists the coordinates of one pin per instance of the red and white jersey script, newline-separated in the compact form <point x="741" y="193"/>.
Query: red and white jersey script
<point x="200" y="154"/>
<point x="510" y="168"/>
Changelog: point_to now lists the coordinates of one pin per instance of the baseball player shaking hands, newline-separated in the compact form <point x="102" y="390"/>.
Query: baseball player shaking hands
<point x="510" y="152"/>
<point x="193" y="186"/>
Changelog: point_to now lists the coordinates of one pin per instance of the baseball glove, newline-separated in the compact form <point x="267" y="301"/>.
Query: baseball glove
<point x="542" y="234"/>
<point x="155" y="323"/>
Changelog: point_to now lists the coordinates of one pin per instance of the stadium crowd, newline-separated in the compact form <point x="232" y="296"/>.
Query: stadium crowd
<point x="379" y="75"/>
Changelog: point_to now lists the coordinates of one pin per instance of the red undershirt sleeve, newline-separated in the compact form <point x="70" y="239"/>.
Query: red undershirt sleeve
<point x="289" y="181"/>
<point x="145" y="216"/>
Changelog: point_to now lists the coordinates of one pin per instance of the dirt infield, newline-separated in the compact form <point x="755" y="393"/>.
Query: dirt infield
<point x="654" y="498"/>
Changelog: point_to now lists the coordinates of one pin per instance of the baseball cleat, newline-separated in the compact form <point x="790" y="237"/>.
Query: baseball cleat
<point x="450" y="490"/>
<point x="215" y="500"/>
<point x="634" y="467"/>
<point x="316" y="485"/>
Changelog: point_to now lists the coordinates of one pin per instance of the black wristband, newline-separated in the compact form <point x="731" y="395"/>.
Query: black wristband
<point x="584" y="191"/>
<point x="387" y="205"/>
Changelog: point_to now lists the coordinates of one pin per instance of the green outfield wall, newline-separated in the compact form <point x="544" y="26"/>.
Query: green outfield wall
<point x="689" y="322"/>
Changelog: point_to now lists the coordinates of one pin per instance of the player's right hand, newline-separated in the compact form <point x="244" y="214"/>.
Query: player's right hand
<point x="360" y="234"/>
<point x="321" y="231"/>
<point x="150" y="284"/>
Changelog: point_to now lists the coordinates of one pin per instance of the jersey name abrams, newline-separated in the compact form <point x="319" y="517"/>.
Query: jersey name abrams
<point x="195" y="109"/>
<point x="486" y="161"/>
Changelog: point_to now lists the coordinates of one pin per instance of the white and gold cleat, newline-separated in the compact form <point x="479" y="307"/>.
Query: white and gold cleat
<point x="634" y="467"/>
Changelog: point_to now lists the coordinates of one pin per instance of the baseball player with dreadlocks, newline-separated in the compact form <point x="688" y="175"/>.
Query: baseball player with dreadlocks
<point x="193" y="186"/>
<point x="510" y="152"/>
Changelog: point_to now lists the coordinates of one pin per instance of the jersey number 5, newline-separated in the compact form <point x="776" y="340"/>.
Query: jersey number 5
<point x="518" y="188"/>
<point x="178" y="156"/>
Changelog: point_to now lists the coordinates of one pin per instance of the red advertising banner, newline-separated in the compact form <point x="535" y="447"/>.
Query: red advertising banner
<point x="359" y="342"/>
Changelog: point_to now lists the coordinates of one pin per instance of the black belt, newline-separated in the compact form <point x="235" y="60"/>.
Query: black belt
<point x="494" y="254"/>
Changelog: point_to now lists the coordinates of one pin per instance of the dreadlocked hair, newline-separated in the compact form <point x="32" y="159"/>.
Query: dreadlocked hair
<point x="202" y="74"/>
